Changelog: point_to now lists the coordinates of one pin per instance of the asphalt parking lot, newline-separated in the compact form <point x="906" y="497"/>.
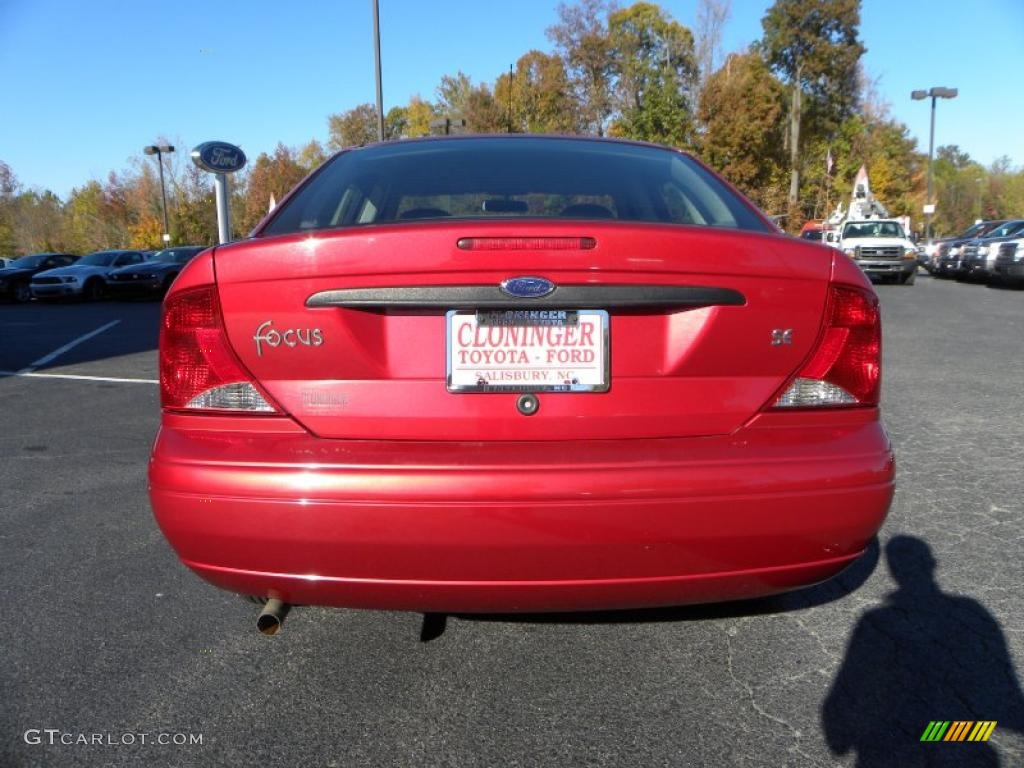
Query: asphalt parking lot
<point x="105" y="633"/>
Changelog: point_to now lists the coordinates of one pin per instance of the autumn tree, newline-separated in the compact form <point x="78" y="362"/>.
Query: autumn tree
<point x="38" y="222"/>
<point x="537" y="96"/>
<point x="92" y="220"/>
<point x="957" y="191"/>
<point x="352" y="128"/>
<point x="271" y="177"/>
<point x="418" y="116"/>
<point x="654" y="66"/>
<point x="483" y="112"/>
<point x="453" y="94"/>
<point x="1002" y="191"/>
<point x="813" y="46"/>
<point x="740" y="110"/>
<point x="582" y="41"/>
<point x="195" y="211"/>
<point x="8" y="191"/>
<point x="458" y="98"/>
<point x="311" y="156"/>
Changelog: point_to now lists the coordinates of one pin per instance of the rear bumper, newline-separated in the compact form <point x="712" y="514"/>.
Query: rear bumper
<point x="521" y="526"/>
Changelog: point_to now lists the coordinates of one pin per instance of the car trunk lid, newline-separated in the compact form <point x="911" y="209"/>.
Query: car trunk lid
<point x="348" y="330"/>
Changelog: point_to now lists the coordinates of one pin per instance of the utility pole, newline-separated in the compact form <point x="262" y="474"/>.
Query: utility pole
<point x="376" y="52"/>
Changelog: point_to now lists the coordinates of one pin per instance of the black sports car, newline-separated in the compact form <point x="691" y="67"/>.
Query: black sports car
<point x="154" y="276"/>
<point x="17" y="276"/>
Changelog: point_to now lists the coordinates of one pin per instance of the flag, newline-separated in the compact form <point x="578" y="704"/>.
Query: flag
<point x="829" y="162"/>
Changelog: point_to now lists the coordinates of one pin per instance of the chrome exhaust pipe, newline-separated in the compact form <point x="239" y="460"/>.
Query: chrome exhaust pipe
<point x="272" y="616"/>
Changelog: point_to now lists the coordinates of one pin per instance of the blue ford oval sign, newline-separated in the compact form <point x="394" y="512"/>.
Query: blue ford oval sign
<point x="218" y="157"/>
<point x="527" y="287"/>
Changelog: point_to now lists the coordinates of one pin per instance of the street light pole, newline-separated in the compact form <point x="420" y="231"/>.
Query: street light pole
<point x="159" y="152"/>
<point x="376" y="61"/>
<point x="934" y="93"/>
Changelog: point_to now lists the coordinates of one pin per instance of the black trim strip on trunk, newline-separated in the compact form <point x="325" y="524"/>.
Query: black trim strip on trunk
<point x="563" y="297"/>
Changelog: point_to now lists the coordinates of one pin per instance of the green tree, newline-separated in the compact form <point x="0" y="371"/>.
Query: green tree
<point x="813" y="46"/>
<point x="654" y="66"/>
<point x="740" y="111"/>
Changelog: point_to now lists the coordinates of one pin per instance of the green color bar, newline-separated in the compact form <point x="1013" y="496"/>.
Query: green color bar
<point x="935" y="730"/>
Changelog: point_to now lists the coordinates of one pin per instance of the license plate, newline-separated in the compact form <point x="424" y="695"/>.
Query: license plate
<point x="548" y="350"/>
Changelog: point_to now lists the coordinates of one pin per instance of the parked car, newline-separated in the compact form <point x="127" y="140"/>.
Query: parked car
<point x="946" y="260"/>
<point x="881" y="248"/>
<point x="978" y="256"/>
<point x="931" y="249"/>
<point x="518" y="373"/>
<point x="812" y="230"/>
<point x="5" y="260"/>
<point x="86" y="278"/>
<point x="155" y="275"/>
<point x="1009" y="264"/>
<point x="16" y="278"/>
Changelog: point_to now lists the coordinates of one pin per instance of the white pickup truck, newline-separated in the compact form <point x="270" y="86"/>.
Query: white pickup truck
<point x="881" y="249"/>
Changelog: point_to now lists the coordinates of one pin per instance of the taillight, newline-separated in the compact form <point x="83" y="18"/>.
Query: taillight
<point x="845" y="369"/>
<point x="198" y="370"/>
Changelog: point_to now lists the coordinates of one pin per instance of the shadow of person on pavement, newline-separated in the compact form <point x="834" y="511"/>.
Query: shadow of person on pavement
<point x="922" y="656"/>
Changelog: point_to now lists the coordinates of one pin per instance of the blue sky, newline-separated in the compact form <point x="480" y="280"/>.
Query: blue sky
<point x="86" y="84"/>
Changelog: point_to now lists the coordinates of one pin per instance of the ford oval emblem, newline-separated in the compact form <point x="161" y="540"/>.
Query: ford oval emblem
<point x="218" y="157"/>
<point x="527" y="287"/>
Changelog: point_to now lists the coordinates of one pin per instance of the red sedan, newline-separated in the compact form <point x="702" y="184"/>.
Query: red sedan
<point x="515" y="373"/>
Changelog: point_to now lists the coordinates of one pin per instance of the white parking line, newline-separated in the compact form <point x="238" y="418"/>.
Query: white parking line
<point x="70" y="345"/>
<point x="75" y="376"/>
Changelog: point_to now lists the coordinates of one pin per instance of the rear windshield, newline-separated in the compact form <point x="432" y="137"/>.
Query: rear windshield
<point x="510" y="178"/>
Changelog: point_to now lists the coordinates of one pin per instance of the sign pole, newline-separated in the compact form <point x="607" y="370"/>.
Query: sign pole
<point x="222" y="192"/>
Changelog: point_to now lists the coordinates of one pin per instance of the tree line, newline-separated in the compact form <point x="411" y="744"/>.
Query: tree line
<point x="789" y="121"/>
